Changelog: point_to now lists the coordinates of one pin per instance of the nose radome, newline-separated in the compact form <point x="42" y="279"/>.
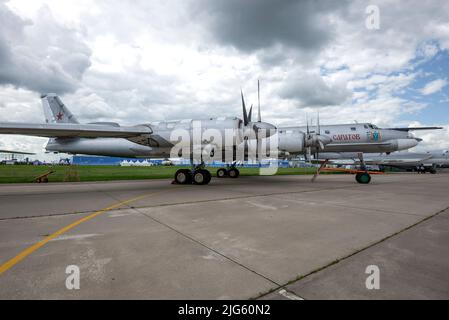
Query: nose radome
<point x="404" y="144"/>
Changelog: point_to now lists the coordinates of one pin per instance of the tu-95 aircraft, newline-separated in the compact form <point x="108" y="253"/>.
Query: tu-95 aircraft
<point x="227" y="139"/>
<point x="357" y="138"/>
<point x="420" y="162"/>
<point x="157" y="139"/>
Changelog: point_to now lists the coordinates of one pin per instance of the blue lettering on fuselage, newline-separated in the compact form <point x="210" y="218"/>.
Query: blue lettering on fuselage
<point x="374" y="136"/>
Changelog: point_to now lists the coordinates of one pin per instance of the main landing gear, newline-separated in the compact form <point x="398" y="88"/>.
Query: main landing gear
<point x="198" y="175"/>
<point x="231" y="172"/>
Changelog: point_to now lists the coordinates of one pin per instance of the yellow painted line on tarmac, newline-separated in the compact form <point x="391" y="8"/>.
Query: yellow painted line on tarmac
<point x="25" y="253"/>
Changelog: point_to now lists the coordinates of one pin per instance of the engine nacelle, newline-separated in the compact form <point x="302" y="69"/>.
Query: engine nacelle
<point x="291" y="141"/>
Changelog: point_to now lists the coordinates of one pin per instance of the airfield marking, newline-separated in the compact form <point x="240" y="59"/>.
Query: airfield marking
<point x="25" y="253"/>
<point x="289" y="295"/>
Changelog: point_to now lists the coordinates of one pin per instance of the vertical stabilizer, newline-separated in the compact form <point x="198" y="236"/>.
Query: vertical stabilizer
<point x="55" y="111"/>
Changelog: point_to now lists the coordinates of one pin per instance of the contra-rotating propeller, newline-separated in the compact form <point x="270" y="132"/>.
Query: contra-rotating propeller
<point x="314" y="140"/>
<point x="257" y="130"/>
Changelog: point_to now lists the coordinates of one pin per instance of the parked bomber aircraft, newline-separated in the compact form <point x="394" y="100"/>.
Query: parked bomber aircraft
<point x="357" y="138"/>
<point x="145" y="140"/>
<point x="420" y="162"/>
<point x="159" y="139"/>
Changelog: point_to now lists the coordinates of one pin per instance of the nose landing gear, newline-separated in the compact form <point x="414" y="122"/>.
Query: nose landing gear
<point x="362" y="177"/>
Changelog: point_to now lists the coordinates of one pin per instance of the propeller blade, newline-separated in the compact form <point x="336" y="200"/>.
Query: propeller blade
<point x="245" y="115"/>
<point x="259" y="117"/>
<point x="321" y="144"/>
<point x="257" y="144"/>
<point x="245" y="150"/>
<point x="250" y="113"/>
<point x="309" y="154"/>
<point x="307" y="121"/>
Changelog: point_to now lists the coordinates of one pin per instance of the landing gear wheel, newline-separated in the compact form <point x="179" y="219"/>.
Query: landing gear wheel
<point x="233" y="173"/>
<point x="363" y="178"/>
<point x="432" y="171"/>
<point x="201" y="177"/>
<point x="183" y="176"/>
<point x="222" y="173"/>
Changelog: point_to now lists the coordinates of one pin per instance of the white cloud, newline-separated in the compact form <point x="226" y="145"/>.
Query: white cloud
<point x="41" y="55"/>
<point x="433" y="86"/>
<point x="142" y="61"/>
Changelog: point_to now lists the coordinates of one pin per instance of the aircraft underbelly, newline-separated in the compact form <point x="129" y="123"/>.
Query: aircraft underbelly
<point x="105" y="147"/>
<point x="367" y="148"/>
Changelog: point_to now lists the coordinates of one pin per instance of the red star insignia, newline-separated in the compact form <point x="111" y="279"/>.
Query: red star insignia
<point x="59" y="116"/>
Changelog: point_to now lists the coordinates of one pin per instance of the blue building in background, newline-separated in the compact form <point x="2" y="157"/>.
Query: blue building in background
<point x="116" y="161"/>
<point x="101" y="161"/>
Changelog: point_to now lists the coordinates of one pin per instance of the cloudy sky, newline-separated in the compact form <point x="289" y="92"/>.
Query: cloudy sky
<point x="142" y="61"/>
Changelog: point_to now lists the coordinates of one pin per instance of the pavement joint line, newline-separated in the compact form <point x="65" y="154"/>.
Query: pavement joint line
<point x="208" y="200"/>
<point x="126" y="203"/>
<point x="25" y="253"/>
<point x="180" y="203"/>
<point x="46" y="215"/>
<point x="299" y="278"/>
<point x="191" y="238"/>
<point x="354" y="207"/>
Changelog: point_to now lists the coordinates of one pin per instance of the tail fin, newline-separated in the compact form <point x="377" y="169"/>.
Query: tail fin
<point x="55" y="111"/>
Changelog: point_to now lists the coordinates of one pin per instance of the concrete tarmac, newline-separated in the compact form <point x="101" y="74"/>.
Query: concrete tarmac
<point x="279" y="237"/>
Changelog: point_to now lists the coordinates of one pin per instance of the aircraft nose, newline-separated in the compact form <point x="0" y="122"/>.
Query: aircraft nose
<point x="403" y="144"/>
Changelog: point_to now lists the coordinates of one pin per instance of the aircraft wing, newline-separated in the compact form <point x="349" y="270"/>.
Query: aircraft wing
<point x="73" y="130"/>
<point x="16" y="152"/>
<point x="414" y="128"/>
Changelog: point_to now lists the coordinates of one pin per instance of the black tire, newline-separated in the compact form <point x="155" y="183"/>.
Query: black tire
<point x="183" y="176"/>
<point x="432" y="171"/>
<point x="233" y="173"/>
<point x="363" y="178"/>
<point x="208" y="176"/>
<point x="201" y="177"/>
<point x="222" y="173"/>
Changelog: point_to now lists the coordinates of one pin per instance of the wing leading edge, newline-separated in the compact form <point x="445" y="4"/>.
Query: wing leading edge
<point x="414" y="128"/>
<point x="73" y="130"/>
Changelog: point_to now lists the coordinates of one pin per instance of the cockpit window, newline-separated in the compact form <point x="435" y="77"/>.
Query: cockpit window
<point x="353" y="128"/>
<point x="366" y="127"/>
